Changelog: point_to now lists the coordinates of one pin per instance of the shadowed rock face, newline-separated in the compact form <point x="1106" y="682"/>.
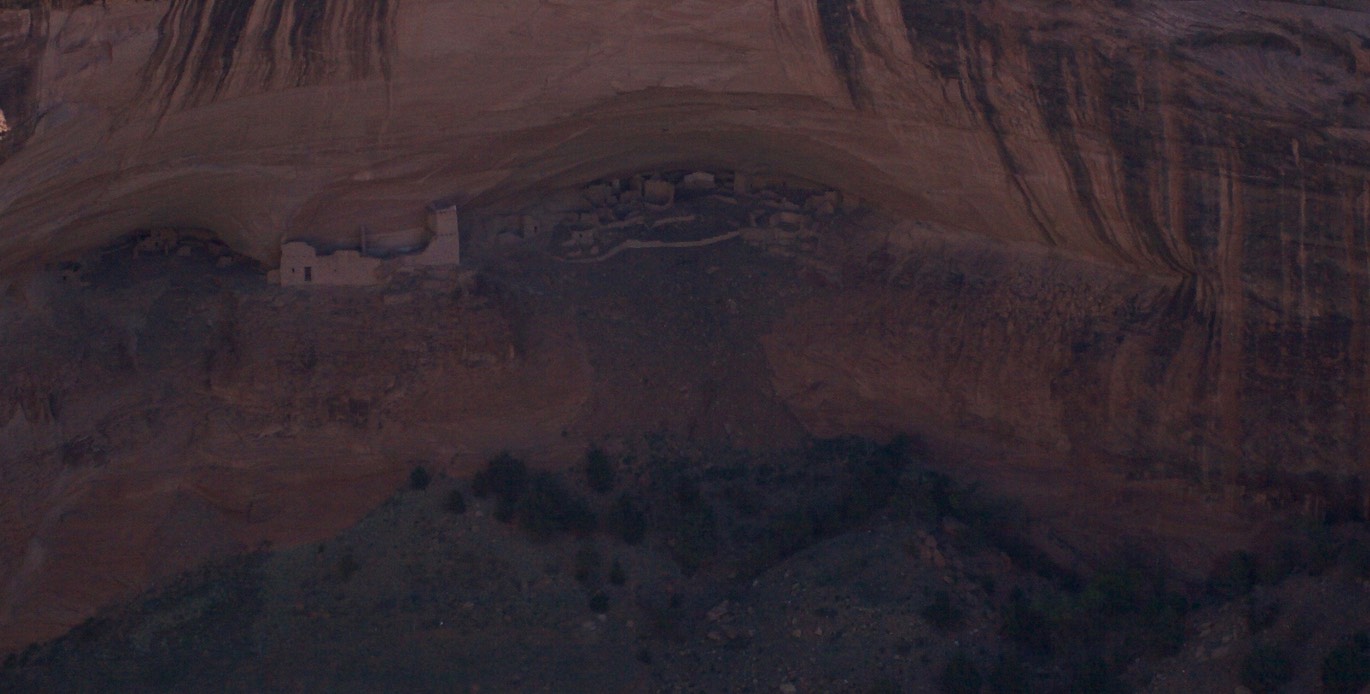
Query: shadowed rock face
<point x="198" y="43"/>
<point x="1158" y="211"/>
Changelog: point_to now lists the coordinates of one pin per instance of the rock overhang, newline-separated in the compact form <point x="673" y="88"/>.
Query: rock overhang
<point x="223" y="116"/>
<point x="1208" y="159"/>
<point x="1137" y="136"/>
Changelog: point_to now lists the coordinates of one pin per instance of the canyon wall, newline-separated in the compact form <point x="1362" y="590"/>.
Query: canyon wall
<point x="1174" y="195"/>
<point x="158" y="420"/>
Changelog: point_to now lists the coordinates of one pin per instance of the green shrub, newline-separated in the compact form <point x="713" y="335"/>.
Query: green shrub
<point x="504" y="476"/>
<point x="599" y="603"/>
<point x="870" y="473"/>
<point x="347" y="567"/>
<point x="941" y="613"/>
<point x="689" y="495"/>
<point x="1291" y="555"/>
<point x="1356" y="556"/>
<point x="1160" y="628"/>
<point x="1093" y="675"/>
<point x="627" y="520"/>
<point x="1010" y="676"/>
<point x="505" y="511"/>
<point x="787" y="532"/>
<point x="925" y="495"/>
<point x="1117" y="590"/>
<point x="419" y="478"/>
<point x="548" y="508"/>
<point x="1262" y="613"/>
<point x="599" y="471"/>
<point x="1323" y="549"/>
<point x="1234" y="575"/>
<point x="960" y="675"/>
<point x="1027" y="625"/>
<point x="1346" y="668"/>
<point x="1128" y="596"/>
<point x="884" y="685"/>
<point x="1266" y="668"/>
<point x="588" y="561"/>
<point x="695" y="538"/>
<point x="455" y="503"/>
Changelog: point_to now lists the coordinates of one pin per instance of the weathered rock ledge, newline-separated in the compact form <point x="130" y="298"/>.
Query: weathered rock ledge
<point x="1135" y="234"/>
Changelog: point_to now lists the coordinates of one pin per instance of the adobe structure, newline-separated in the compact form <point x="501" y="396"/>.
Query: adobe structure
<point x="690" y="209"/>
<point x="445" y="246"/>
<point x="301" y="263"/>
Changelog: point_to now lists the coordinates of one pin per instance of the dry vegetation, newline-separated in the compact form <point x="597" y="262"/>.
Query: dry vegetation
<point x="846" y="566"/>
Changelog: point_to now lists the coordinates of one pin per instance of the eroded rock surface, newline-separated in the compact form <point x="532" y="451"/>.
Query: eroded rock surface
<point x="1128" y="232"/>
<point x="164" y="418"/>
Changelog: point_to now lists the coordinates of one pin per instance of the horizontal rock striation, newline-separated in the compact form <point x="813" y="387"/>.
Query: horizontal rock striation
<point x="1153" y="216"/>
<point x="160" y="419"/>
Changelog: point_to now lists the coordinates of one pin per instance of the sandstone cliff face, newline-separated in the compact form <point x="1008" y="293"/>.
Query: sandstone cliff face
<point x="160" y="420"/>
<point x="1220" y="149"/>
<point x="1155" y="215"/>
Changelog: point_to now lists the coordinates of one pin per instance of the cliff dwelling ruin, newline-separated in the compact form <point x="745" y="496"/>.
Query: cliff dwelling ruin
<point x="712" y="345"/>
<point x="673" y="209"/>
<point x="301" y="264"/>
<point x="592" y="223"/>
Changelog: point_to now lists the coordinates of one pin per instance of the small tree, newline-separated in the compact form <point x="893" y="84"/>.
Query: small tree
<point x="941" y="612"/>
<point x="456" y="502"/>
<point x="599" y="470"/>
<point x="1346" y="669"/>
<point x="599" y="603"/>
<point x="587" y="564"/>
<point x="628" y="520"/>
<point x="549" y="507"/>
<point x="506" y="477"/>
<point x="1266" y="669"/>
<point x="961" y="676"/>
<point x="419" y="478"/>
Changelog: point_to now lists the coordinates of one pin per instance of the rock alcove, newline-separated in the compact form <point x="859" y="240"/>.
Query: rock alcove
<point x="1111" y="254"/>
